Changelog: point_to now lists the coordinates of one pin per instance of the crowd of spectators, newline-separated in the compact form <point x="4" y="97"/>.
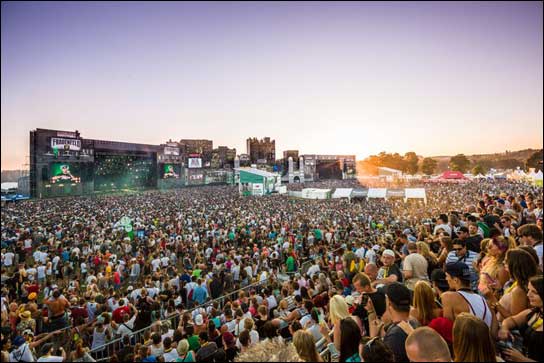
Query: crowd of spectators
<point x="208" y="275"/>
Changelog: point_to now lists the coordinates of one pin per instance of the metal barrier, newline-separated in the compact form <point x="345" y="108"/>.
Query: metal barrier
<point x="104" y="352"/>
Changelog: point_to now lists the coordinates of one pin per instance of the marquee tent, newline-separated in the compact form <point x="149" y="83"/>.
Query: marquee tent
<point x="395" y="193"/>
<point x="415" y="193"/>
<point x="9" y="187"/>
<point x="452" y="175"/>
<point x="377" y="193"/>
<point x="342" y="193"/>
<point x="314" y="193"/>
<point x="359" y="193"/>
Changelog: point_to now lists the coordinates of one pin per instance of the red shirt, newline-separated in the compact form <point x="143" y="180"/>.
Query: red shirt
<point x="33" y="288"/>
<point x="117" y="277"/>
<point x="119" y="312"/>
<point x="79" y="311"/>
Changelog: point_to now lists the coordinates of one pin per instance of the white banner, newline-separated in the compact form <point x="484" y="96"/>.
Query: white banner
<point x="73" y="144"/>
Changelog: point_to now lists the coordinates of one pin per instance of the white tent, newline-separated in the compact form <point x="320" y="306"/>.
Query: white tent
<point x="314" y="193"/>
<point x="415" y="193"/>
<point x="9" y="186"/>
<point x="342" y="193"/>
<point x="538" y="176"/>
<point x="377" y="193"/>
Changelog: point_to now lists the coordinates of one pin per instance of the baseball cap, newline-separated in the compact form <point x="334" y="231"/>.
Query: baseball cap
<point x="349" y="300"/>
<point x="18" y="341"/>
<point x="407" y="231"/>
<point x="438" y="276"/>
<point x="458" y="269"/>
<point x="388" y="253"/>
<point x="398" y="294"/>
<point x="32" y="296"/>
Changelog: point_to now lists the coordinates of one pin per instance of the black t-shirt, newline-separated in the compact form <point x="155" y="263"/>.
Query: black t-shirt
<point x="395" y="339"/>
<point x="378" y="300"/>
<point x="394" y="270"/>
<point x="473" y="243"/>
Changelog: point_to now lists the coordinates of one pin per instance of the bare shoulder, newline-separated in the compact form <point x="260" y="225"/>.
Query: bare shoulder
<point x="449" y="296"/>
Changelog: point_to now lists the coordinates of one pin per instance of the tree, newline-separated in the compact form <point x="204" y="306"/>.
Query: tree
<point x="428" y="166"/>
<point x="411" y="161"/>
<point x="535" y="160"/>
<point x="478" y="169"/>
<point x="459" y="163"/>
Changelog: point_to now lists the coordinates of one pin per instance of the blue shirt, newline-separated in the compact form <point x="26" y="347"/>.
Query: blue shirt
<point x="200" y="295"/>
<point x="65" y="255"/>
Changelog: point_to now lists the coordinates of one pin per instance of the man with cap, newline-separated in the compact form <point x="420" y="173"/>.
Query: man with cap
<point x="461" y="253"/>
<point x="390" y="272"/>
<point x="398" y="300"/>
<point x="23" y="349"/>
<point x="47" y="354"/>
<point x="462" y="299"/>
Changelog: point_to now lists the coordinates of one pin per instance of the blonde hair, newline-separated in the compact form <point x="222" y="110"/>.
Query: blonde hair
<point x="183" y="347"/>
<point x="424" y="302"/>
<point x="472" y="341"/>
<point x="248" y="324"/>
<point x="338" y="309"/>
<point x="425" y="251"/>
<point x="304" y="342"/>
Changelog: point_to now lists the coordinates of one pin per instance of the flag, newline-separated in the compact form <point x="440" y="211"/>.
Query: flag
<point x="56" y="151"/>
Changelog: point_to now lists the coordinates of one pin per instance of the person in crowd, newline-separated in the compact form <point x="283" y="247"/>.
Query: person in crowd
<point x="374" y="350"/>
<point x="472" y="340"/>
<point x="521" y="267"/>
<point x="529" y="323"/>
<point x="306" y="346"/>
<point x="463" y="299"/>
<point x="461" y="254"/>
<point x="424" y="308"/>
<point x="426" y="345"/>
<point x="389" y="272"/>
<point x="414" y="267"/>
<point x="531" y="235"/>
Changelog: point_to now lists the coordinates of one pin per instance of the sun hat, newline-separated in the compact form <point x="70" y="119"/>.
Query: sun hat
<point x="25" y="315"/>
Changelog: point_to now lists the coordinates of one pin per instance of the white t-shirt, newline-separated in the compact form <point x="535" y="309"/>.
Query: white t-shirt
<point x="30" y="273"/>
<point x="51" y="358"/>
<point x="165" y="261"/>
<point x="22" y="354"/>
<point x="156" y="263"/>
<point x="8" y="258"/>
<point x="41" y="272"/>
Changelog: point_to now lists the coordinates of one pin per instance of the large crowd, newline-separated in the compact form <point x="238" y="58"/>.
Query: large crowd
<point x="208" y="275"/>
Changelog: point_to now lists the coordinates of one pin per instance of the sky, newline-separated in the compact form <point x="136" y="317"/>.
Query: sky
<point x="323" y="77"/>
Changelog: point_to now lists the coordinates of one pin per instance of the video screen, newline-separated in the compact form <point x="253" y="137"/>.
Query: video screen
<point x="195" y="163"/>
<point x="65" y="173"/>
<point x="171" y="171"/>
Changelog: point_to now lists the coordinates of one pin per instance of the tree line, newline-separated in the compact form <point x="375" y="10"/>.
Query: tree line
<point x="410" y="163"/>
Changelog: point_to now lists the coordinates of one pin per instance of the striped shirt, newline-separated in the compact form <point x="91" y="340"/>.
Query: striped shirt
<point x="468" y="259"/>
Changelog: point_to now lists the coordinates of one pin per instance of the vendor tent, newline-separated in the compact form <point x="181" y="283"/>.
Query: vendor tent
<point x="254" y="181"/>
<point x="415" y="193"/>
<point x="452" y="175"/>
<point x="377" y="193"/>
<point x="314" y="193"/>
<point x="8" y="187"/>
<point x="342" y="193"/>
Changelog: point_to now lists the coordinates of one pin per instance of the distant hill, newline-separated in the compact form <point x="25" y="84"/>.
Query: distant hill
<point x="505" y="160"/>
